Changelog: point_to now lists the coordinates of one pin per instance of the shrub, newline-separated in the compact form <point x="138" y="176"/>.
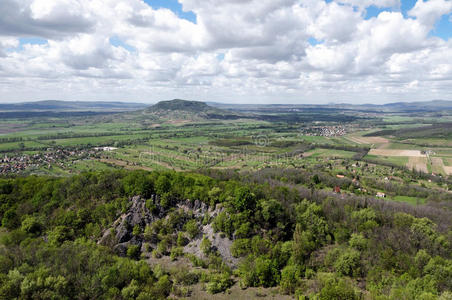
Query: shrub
<point x="219" y="283"/>
<point x="60" y="234"/>
<point x="133" y="251"/>
<point x="289" y="279"/>
<point x="335" y="289"/>
<point x="241" y="247"/>
<point x="176" y="252"/>
<point x="181" y="239"/>
<point x="358" y="241"/>
<point x="206" y="246"/>
<point x="192" y="228"/>
<point x="348" y="263"/>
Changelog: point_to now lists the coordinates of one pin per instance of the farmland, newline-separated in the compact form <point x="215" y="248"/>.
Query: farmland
<point x="163" y="137"/>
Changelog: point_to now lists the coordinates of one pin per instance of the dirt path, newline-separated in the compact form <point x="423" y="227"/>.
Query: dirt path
<point x="418" y="164"/>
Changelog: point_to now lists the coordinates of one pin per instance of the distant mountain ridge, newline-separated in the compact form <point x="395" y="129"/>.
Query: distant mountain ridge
<point x="213" y="109"/>
<point x="58" y="105"/>
<point x="428" y="106"/>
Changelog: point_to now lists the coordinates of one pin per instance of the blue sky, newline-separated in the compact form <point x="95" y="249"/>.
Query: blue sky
<point x="175" y="6"/>
<point x="443" y="28"/>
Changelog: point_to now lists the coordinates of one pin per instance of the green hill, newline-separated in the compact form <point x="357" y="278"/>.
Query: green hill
<point x="178" y="109"/>
<point x="182" y="105"/>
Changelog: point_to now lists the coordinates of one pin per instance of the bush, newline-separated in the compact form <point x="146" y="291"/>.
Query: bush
<point x="219" y="283"/>
<point x="60" y="234"/>
<point x="335" y="289"/>
<point x="133" y="251"/>
<point x="192" y="228"/>
<point x="289" y="279"/>
<point x="176" y="252"/>
<point x="358" y="241"/>
<point x="206" y="246"/>
<point x="348" y="263"/>
<point x="241" y="247"/>
<point x="181" y="239"/>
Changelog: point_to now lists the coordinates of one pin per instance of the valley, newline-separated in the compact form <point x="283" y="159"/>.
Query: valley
<point x="186" y="199"/>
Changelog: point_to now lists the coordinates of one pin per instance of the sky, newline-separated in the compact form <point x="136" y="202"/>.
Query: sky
<point x="235" y="51"/>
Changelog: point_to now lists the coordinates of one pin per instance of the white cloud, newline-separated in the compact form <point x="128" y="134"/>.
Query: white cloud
<point x="44" y="18"/>
<point x="367" y="3"/>
<point x="265" y="44"/>
<point x="429" y="12"/>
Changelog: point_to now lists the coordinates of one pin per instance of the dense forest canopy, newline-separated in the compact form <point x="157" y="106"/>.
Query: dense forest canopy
<point x="306" y="243"/>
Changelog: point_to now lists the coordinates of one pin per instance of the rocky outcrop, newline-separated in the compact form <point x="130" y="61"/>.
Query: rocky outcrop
<point x="120" y="236"/>
<point x="198" y="208"/>
<point x="220" y="243"/>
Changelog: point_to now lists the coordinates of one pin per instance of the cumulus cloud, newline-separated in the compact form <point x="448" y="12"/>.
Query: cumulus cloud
<point x="429" y="12"/>
<point x="44" y="18"/>
<point x="238" y="50"/>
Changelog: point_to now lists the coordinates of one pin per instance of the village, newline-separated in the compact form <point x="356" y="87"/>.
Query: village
<point x="326" y="131"/>
<point x="21" y="162"/>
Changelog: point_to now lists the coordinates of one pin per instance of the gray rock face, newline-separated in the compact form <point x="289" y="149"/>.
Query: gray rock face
<point x="219" y="243"/>
<point x="121" y="236"/>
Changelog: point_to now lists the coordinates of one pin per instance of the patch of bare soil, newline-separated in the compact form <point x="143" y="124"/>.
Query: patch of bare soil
<point x="394" y="152"/>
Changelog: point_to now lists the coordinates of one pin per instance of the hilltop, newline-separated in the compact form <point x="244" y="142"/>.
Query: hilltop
<point x="182" y="105"/>
<point x="178" y="109"/>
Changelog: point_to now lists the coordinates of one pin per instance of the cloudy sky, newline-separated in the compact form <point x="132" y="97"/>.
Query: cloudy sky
<point x="242" y="51"/>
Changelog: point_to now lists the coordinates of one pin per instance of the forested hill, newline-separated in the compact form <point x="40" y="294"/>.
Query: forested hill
<point x="153" y="235"/>
<point x="189" y="110"/>
<point x="183" y="105"/>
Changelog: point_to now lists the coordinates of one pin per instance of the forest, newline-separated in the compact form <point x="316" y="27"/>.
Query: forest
<point x="301" y="240"/>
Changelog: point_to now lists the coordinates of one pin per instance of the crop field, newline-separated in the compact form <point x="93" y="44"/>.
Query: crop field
<point x="417" y="163"/>
<point x="64" y="146"/>
<point x="380" y="141"/>
<point x="395" y="152"/>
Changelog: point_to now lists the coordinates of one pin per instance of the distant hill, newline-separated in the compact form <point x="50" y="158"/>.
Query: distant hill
<point x="434" y="105"/>
<point x="57" y="105"/>
<point x="178" y="109"/>
<point x="424" y="106"/>
<point x="182" y="105"/>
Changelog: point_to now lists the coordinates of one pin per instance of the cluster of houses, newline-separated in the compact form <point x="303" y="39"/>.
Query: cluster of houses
<point x="337" y="189"/>
<point x="21" y="162"/>
<point x="327" y="131"/>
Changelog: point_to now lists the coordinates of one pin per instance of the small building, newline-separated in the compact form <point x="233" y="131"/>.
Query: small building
<point x="381" y="195"/>
<point x="337" y="189"/>
<point x="340" y="176"/>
